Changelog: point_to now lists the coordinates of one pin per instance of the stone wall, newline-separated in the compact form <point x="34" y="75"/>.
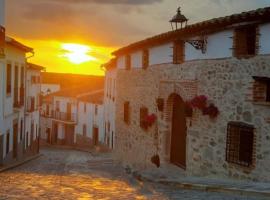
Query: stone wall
<point x="228" y="83"/>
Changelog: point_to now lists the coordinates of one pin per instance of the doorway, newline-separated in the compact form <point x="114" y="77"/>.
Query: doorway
<point x="15" y="139"/>
<point x="179" y="133"/>
<point x="95" y="136"/>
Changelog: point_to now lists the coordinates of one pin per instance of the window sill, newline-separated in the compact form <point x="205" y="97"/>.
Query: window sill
<point x="261" y="103"/>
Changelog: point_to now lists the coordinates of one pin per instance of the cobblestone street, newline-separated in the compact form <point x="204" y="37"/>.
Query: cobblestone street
<point x="68" y="174"/>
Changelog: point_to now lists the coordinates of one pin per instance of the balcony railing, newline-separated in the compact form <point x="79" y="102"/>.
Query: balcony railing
<point x="68" y="117"/>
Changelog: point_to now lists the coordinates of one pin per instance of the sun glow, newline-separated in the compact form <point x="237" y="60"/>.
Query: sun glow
<point x="77" y="53"/>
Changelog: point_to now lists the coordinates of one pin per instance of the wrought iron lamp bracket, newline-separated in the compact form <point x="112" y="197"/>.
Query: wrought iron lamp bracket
<point x="200" y="44"/>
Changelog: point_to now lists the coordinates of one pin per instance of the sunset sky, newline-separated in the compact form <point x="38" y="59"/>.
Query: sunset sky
<point x="77" y="36"/>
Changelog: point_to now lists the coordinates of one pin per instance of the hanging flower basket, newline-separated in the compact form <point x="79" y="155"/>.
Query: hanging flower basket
<point x="148" y="121"/>
<point x="211" y="110"/>
<point x="199" y="102"/>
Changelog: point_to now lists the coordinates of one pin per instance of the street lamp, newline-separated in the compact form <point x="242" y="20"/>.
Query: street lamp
<point x="178" y="19"/>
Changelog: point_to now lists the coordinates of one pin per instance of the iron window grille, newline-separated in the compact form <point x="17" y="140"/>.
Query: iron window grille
<point x="240" y="144"/>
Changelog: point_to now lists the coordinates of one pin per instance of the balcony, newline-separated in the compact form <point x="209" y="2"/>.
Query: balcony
<point x="64" y="117"/>
<point x="2" y="41"/>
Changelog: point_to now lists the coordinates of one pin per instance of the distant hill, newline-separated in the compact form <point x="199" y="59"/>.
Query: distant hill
<point x="73" y="80"/>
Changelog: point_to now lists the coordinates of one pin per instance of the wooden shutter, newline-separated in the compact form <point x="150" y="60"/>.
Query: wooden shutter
<point x="178" y="52"/>
<point x="145" y="59"/>
<point x="126" y="112"/>
<point x="143" y="115"/>
<point x="245" y="41"/>
<point x="268" y="92"/>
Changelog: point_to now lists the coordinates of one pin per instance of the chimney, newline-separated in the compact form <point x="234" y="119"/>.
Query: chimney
<point x="2" y="28"/>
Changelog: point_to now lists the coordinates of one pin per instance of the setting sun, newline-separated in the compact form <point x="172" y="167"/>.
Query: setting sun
<point x="77" y="53"/>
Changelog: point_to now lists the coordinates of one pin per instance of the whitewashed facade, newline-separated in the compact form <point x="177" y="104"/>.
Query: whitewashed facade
<point x="72" y="120"/>
<point x="109" y="104"/>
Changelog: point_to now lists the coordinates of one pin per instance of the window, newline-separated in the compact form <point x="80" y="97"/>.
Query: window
<point x="109" y="126"/>
<point x="21" y="130"/>
<point x="240" y="140"/>
<point x="27" y="139"/>
<point x="143" y="115"/>
<point x="84" y="130"/>
<point x="85" y="108"/>
<point x="126" y="112"/>
<point x="57" y="107"/>
<point x="8" y="80"/>
<point x="245" y="41"/>
<point x="128" y="62"/>
<point x="178" y="52"/>
<point x="7" y="142"/>
<point x="261" y="89"/>
<point x="145" y="59"/>
<point x="96" y="109"/>
<point x="33" y="79"/>
<point x="22" y="77"/>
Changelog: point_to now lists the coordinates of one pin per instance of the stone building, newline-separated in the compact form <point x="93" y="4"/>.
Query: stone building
<point x="198" y="97"/>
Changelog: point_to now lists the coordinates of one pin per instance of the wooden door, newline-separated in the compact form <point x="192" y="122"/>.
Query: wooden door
<point x="178" y="137"/>
<point x="15" y="140"/>
<point x="95" y="136"/>
<point x="69" y="134"/>
<point x="48" y="135"/>
<point x="55" y="134"/>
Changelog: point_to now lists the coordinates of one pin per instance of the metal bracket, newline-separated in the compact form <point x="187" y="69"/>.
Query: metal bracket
<point x="199" y="44"/>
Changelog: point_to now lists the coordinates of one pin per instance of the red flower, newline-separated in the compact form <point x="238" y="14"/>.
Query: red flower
<point x="212" y="111"/>
<point x="199" y="102"/>
<point x="151" y="118"/>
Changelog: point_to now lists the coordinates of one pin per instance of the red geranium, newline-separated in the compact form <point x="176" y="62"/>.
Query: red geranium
<point x="199" y="102"/>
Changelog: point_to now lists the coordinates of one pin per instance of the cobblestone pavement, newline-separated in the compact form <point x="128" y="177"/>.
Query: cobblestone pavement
<point x="67" y="174"/>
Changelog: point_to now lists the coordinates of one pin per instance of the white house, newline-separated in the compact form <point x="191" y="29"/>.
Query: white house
<point x="109" y="103"/>
<point x="73" y="116"/>
<point x="33" y="105"/>
<point x="90" y="129"/>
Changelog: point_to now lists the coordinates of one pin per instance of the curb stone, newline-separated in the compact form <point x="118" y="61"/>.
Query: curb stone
<point x="17" y="164"/>
<point x="206" y="188"/>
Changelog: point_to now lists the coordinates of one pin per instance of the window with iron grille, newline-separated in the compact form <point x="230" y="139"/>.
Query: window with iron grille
<point x="245" y="41"/>
<point x="240" y="144"/>
<point x="143" y="115"/>
<point x="145" y="59"/>
<point x="178" y="52"/>
<point x="126" y="112"/>
<point x="128" y="62"/>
